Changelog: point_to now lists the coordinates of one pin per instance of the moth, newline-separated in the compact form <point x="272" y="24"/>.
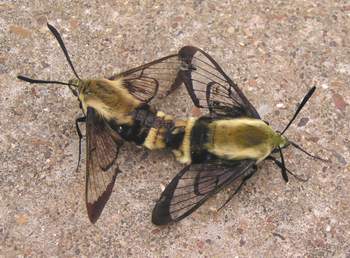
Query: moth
<point x="117" y="110"/>
<point x="220" y="148"/>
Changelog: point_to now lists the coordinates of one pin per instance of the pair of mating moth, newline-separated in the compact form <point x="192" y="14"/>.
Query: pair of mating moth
<point x="218" y="149"/>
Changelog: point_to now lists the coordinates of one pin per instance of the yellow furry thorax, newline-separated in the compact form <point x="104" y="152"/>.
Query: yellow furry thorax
<point x="109" y="98"/>
<point x="242" y="138"/>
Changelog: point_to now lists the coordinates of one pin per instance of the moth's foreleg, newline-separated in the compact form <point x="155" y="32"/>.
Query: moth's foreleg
<point x="77" y="121"/>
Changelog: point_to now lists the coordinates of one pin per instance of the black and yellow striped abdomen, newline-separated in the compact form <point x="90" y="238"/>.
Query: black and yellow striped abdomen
<point x="206" y="138"/>
<point x="148" y="127"/>
<point x="133" y="119"/>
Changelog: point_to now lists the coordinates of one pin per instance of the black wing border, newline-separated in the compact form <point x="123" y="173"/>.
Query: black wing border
<point x="95" y="209"/>
<point x="186" y="54"/>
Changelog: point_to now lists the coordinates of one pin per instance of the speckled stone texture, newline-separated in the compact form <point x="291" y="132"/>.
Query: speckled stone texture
<point x="275" y="51"/>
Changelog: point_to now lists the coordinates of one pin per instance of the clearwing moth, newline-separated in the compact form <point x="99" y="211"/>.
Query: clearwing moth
<point x="116" y="110"/>
<point x="220" y="148"/>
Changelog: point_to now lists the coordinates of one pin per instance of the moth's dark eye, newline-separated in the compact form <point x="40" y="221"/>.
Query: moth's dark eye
<point x="75" y="93"/>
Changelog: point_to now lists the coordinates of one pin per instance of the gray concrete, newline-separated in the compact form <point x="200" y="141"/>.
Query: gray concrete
<point x="274" y="50"/>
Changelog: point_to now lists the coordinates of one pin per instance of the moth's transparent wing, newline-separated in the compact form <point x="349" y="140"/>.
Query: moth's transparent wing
<point x="210" y="88"/>
<point x="153" y="80"/>
<point x="193" y="185"/>
<point x="101" y="167"/>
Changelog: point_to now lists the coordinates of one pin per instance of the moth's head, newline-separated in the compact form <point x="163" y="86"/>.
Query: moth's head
<point x="86" y="89"/>
<point x="97" y="91"/>
<point x="76" y="83"/>
<point x="76" y="86"/>
<point x="283" y="141"/>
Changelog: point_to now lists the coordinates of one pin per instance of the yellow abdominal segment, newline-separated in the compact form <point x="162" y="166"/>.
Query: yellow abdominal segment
<point x="183" y="154"/>
<point x="156" y="136"/>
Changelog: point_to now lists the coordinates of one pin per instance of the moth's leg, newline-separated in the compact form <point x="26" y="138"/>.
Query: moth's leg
<point x="283" y="166"/>
<point x="279" y="164"/>
<point x="77" y="121"/>
<point x="255" y="168"/>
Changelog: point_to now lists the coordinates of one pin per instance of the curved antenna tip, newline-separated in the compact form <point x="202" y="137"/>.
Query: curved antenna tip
<point x="61" y="43"/>
<point x="301" y="105"/>
<point x="24" y="78"/>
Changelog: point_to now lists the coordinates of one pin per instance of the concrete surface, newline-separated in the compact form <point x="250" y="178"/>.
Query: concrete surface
<point x="275" y="50"/>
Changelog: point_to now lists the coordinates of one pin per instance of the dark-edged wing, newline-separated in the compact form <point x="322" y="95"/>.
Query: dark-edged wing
<point x="101" y="167"/>
<point x="155" y="79"/>
<point x="207" y="84"/>
<point x="210" y="88"/>
<point x="193" y="185"/>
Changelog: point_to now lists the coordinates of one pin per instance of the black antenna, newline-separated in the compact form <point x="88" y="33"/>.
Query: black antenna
<point x="307" y="153"/>
<point x="26" y="79"/>
<point x="60" y="41"/>
<point x="302" y="104"/>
